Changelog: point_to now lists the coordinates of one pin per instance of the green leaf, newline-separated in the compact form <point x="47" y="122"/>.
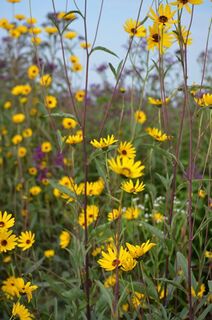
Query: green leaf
<point x="106" y="294"/>
<point x="35" y="266"/>
<point x="158" y="233"/>
<point x="113" y="70"/>
<point x="205" y="312"/>
<point x="61" y="115"/>
<point x="183" y="263"/>
<point x="104" y="49"/>
<point x="119" y="67"/>
<point x="60" y="139"/>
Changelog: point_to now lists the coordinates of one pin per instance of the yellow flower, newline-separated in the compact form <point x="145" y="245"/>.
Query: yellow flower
<point x="69" y="123"/>
<point x="65" y="238"/>
<point x="15" y="33"/>
<point x="94" y="188"/>
<point x="46" y="147"/>
<point x="21" y="311"/>
<point x="26" y="89"/>
<point x="7" y="105"/>
<point x="157" y="134"/>
<point x="22" y="151"/>
<point x="9" y="287"/>
<point x="131" y="213"/>
<point x="50" y="102"/>
<point x="96" y="251"/>
<point x="6" y="221"/>
<point x="140" y="117"/>
<point x="36" y="41"/>
<point x="182" y="35"/>
<point x="49" y="253"/>
<point x="130" y="187"/>
<point x="157" y="102"/>
<point x="185" y="3"/>
<point x="25" y="288"/>
<point x="110" y="281"/>
<point x="35" y="190"/>
<point x="202" y="193"/>
<point x="19" y="17"/>
<point x="85" y="45"/>
<point x="208" y="254"/>
<point x="80" y="95"/>
<point x="74" y="59"/>
<point x="157" y="217"/>
<point x="17" y="139"/>
<point x="159" y="38"/>
<point x="77" y="67"/>
<point x="70" y="35"/>
<point x="51" y="30"/>
<point x="114" y="259"/>
<point x="114" y="214"/>
<point x="66" y="16"/>
<point x="160" y="291"/>
<point x="74" y="139"/>
<point x="92" y="212"/>
<point x="31" y="20"/>
<point x="45" y="80"/>
<point x="18" y="118"/>
<point x="134" y="28"/>
<point x="33" y="71"/>
<point x="137" y="299"/>
<point x="207" y="98"/>
<point x="199" y="293"/>
<point x="27" y="133"/>
<point x="26" y="240"/>
<point x="126" y="167"/>
<point x="103" y="142"/>
<point x="127" y="150"/>
<point x="164" y="16"/>
<point x="139" y="250"/>
<point x="7" y="259"/>
<point x="8" y="241"/>
<point x="33" y="171"/>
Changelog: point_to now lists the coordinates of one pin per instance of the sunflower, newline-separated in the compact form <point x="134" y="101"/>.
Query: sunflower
<point x="6" y="220"/>
<point x="65" y="238"/>
<point x="132" y="213"/>
<point x="159" y="38"/>
<point x="26" y="289"/>
<point x="8" y="241"/>
<point x="157" y="102"/>
<point x="114" y="214"/>
<point x="80" y="95"/>
<point x="26" y="240"/>
<point x="69" y="123"/>
<point x="134" y="28"/>
<point x="114" y="259"/>
<point x="164" y="16"/>
<point x="21" y="311"/>
<point x="130" y="187"/>
<point x="46" y="147"/>
<point x="157" y="134"/>
<point x="126" y="167"/>
<point x="126" y="150"/>
<point x="50" y="102"/>
<point x="185" y="3"/>
<point x="92" y="212"/>
<point x="140" y="116"/>
<point x="103" y="142"/>
<point x="139" y="250"/>
<point x="183" y="35"/>
<point x="74" y="138"/>
<point x="33" y="71"/>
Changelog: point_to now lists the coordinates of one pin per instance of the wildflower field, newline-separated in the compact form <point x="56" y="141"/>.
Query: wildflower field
<point x="105" y="202"/>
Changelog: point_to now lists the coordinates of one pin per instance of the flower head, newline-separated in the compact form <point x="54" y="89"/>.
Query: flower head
<point x="126" y="167"/>
<point x="159" y="38"/>
<point x="21" y="311"/>
<point x="130" y="187"/>
<point x="8" y="241"/>
<point x="185" y="3"/>
<point x="26" y="240"/>
<point x="139" y="250"/>
<point x="157" y="134"/>
<point x="140" y="116"/>
<point x="92" y="212"/>
<point x="134" y="28"/>
<point x="164" y="15"/>
<point x="103" y="142"/>
<point x="6" y="220"/>
<point x="127" y="150"/>
<point x="65" y="238"/>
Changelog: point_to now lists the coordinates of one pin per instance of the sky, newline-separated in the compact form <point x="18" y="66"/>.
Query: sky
<point x="111" y="34"/>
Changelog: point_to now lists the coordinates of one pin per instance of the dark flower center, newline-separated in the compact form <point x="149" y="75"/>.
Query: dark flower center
<point x="2" y="224"/>
<point x="115" y="262"/>
<point x="156" y="37"/>
<point x="124" y="152"/>
<point x="133" y="30"/>
<point x="183" y="1"/>
<point x="163" y="19"/>
<point x="4" y="243"/>
<point x="28" y="241"/>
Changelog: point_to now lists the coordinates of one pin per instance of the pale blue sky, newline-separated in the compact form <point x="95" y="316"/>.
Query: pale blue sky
<point x="111" y="33"/>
